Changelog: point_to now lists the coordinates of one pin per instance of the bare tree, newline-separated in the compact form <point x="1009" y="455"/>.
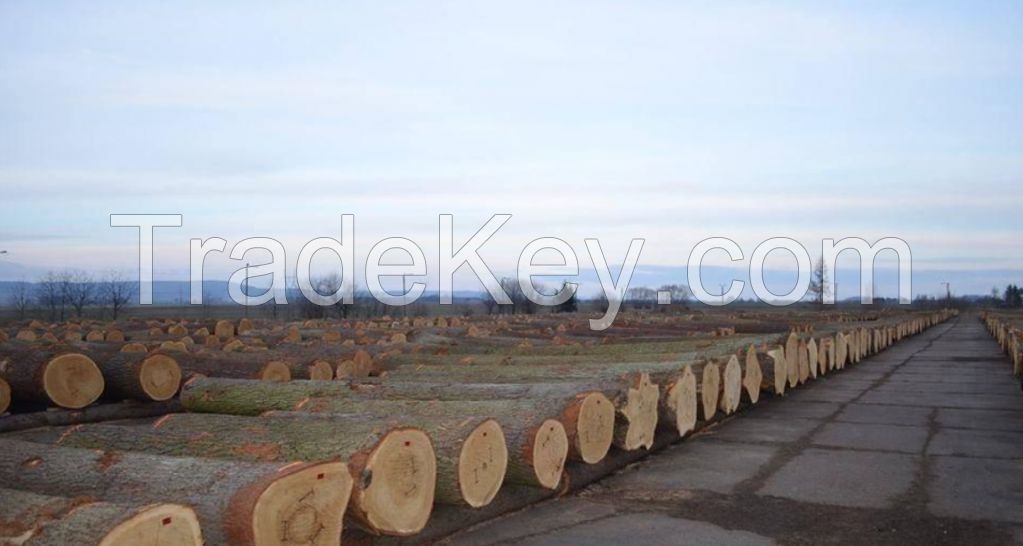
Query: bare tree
<point x="21" y="298"/>
<point x="641" y="297"/>
<point x="80" y="290"/>
<point x="519" y="302"/>
<point x="116" y="291"/>
<point x="820" y="283"/>
<point x="50" y="294"/>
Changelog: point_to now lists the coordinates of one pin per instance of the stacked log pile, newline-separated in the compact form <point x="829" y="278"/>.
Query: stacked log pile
<point x="280" y="431"/>
<point x="1007" y="329"/>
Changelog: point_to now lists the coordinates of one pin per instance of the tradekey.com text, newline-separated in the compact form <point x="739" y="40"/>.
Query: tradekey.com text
<point x="465" y="256"/>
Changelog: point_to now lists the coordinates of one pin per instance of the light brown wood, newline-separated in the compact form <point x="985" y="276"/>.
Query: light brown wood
<point x="792" y="359"/>
<point x="752" y="375"/>
<point x="30" y="519"/>
<point x="731" y="386"/>
<point x="710" y="388"/>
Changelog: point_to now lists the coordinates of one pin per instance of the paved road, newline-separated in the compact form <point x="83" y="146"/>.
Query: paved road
<point x="922" y="444"/>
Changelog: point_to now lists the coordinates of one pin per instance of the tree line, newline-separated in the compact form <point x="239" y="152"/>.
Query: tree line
<point x="68" y="293"/>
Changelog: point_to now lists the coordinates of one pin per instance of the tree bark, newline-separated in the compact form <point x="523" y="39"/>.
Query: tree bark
<point x="210" y="363"/>
<point x="237" y="503"/>
<point x="92" y="414"/>
<point x="138" y="376"/>
<point x="5" y="396"/>
<point x="393" y="466"/>
<point x="50" y="375"/>
<point x="29" y="519"/>
<point x="534" y="450"/>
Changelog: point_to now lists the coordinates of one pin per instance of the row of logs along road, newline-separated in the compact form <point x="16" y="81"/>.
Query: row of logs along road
<point x="268" y="433"/>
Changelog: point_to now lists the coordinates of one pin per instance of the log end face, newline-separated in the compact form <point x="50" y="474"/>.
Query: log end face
<point x="158" y="525"/>
<point x="550" y="451"/>
<point x="685" y="401"/>
<point x="731" y="392"/>
<point x="640" y="415"/>
<point x="160" y="377"/>
<point x="321" y="370"/>
<point x="305" y="507"/>
<point x="72" y="381"/>
<point x="276" y="370"/>
<point x="710" y="387"/>
<point x="398" y="483"/>
<point x="595" y="427"/>
<point x="482" y="463"/>
<point x="753" y="376"/>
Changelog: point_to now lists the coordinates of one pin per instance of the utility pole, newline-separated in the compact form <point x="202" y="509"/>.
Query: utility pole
<point x="948" y="292"/>
<point x="722" y="286"/>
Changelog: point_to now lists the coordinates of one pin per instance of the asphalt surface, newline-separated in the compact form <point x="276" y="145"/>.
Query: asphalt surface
<point x="922" y="444"/>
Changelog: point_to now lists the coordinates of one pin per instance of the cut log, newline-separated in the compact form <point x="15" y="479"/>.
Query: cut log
<point x="394" y="467"/>
<point x="5" y="396"/>
<point x="792" y="359"/>
<point x="752" y="375"/>
<point x="812" y="356"/>
<point x="317" y="370"/>
<point x="29" y="519"/>
<point x="774" y="370"/>
<point x="50" y="375"/>
<point x="586" y="410"/>
<point x="804" y="361"/>
<point x="233" y="365"/>
<point x="534" y="450"/>
<point x="91" y="414"/>
<point x="709" y="391"/>
<point x="677" y="407"/>
<point x="841" y="350"/>
<point x="472" y="454"/>
<point x="223" y="329"/>
<point x="731" y="386"/>
<point x="237" y="503"/>
<point x="138" y="376"/>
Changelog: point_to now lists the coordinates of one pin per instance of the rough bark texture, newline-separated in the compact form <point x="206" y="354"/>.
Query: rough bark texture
<point x="450" y="426"/>
<point x="138" y="376"/>
<point x="223" y="494"/>
<point x="588" y="424"/>
<point x="51" y="375"/>
<point x="29" y="519"/>
<point x="92" y="414"/>
<point x="5" y="396"/>
<point x="213" y="363"/>
<point x="357" y="441"/>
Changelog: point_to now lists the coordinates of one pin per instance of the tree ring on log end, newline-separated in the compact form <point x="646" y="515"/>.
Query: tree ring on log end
<point x="709" y="389"/>
<point x="321" y="370"/>
<point x="160" y="377"/>
<point x="305" y="507"/>
<point x="72" y="381"/>
<point x="482" y="462"/>
<point x="399" y="497"/>
<point x="595" y="427"/>
<point x="753" y="376"/>
<point x="158" y="525"/>
<point x="682" y="397"/>
<point x="731" y="388"/>
<point x="550" y="451"/>
<point x="640" y="413"/>
<point x="275" y="370"/>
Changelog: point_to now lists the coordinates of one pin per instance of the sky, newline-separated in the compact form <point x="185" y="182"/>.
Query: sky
<point x="669" y="121"/>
